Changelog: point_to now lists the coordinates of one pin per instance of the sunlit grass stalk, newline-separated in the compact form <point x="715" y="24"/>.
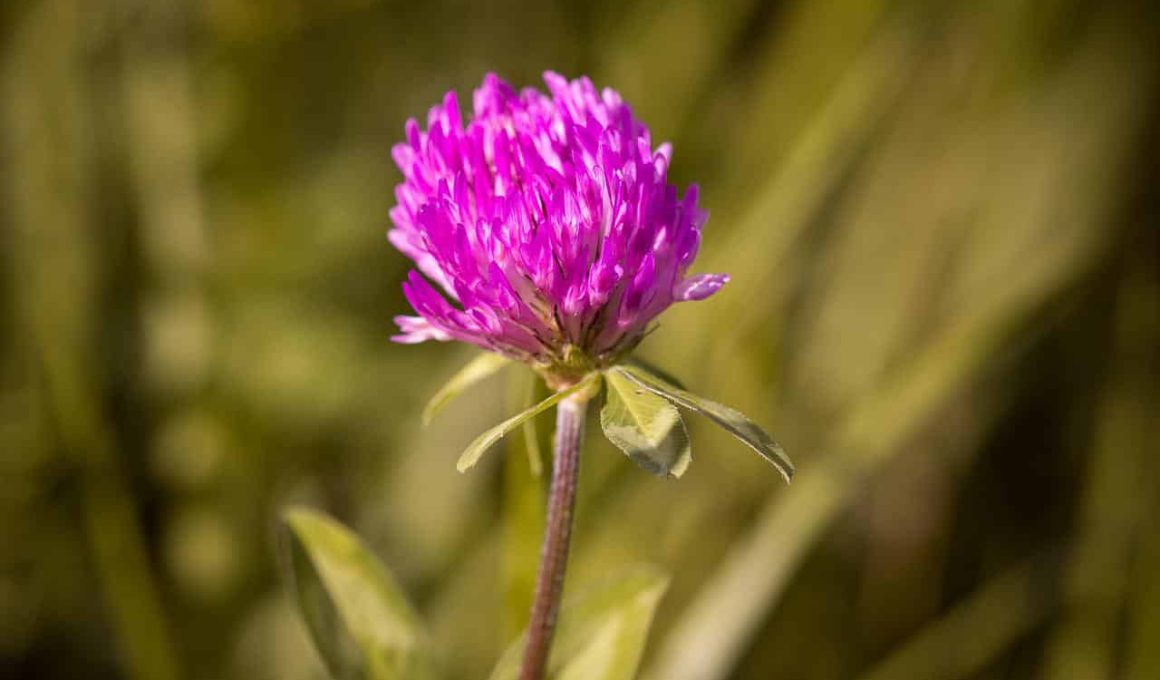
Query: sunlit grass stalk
<point x="557" y="535"/>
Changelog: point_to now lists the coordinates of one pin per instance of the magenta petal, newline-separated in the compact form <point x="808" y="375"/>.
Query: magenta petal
<point x="699" y="287"/>
<point x="546" y="219"/>
<point x="417" y="329"/>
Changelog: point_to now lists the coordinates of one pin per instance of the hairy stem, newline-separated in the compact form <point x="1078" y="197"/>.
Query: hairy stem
<point x="557" y="535"/>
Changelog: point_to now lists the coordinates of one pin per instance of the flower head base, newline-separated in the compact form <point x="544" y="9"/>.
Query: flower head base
<point x="544" y="229"/>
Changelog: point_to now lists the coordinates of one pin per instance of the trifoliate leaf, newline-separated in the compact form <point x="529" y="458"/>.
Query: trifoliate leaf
<point x="483" y="442"/>
<point x="601" y="633"/>
<point x="357" y="615"/>
<point x="476" y="370"/>
<point x="645" y="426"/>
<point x="735" y="422"/>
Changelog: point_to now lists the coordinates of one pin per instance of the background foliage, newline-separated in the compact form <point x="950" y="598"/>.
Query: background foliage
<point x="941" y="221"/>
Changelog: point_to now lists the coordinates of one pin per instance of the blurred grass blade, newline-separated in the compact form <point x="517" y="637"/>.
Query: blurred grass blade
<point x="805" y="181"/>
<point x="645" y="426"/>
<point x="55" y="315"/>
<point x="523" y="503"/>
<point x="1096" y="579"/>
<point x="531" y="433"/>
<point x="479" y="368"/>
<point x="602" y="632"/>
<point x="357" y="615"/>
<point x="735" y="422"/>
<point x="483" y="442"/>
<point x="972" y="634"/>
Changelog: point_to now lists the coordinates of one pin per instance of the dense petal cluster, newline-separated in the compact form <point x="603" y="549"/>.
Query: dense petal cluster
<point x="545" y="228"/>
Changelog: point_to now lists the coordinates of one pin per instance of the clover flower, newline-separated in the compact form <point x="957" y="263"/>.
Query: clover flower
<point x="545" y="228"/>
<point x="546" y="231"/>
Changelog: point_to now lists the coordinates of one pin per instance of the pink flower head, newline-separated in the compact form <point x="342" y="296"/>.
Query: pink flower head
<point x="545" y="228"/>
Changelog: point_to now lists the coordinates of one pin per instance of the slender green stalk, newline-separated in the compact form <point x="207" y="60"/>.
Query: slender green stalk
<point x="557" y="535"/>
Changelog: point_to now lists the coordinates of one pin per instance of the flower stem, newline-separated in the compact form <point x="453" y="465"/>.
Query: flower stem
<point x="557" y="535"/>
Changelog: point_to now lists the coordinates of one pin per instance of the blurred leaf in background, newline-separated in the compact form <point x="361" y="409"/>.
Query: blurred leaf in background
<point x="359" y="619"/>
<point x="941" y="224"/>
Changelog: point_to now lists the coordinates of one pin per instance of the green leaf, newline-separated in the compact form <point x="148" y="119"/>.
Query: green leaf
<point x="357" y="615"/>
<point x="485" y="441"/>
<point x="601" y="633"/>
<point x="645" y="426"/>
<point x="735" y="422"/>
<point x="476" y="370"/>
